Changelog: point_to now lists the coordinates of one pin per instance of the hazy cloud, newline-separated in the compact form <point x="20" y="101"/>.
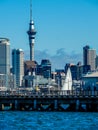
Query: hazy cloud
<point x="59" y="59"/>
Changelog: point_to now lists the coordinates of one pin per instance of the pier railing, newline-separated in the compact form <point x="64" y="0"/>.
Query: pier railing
<point x="50" y="93"/>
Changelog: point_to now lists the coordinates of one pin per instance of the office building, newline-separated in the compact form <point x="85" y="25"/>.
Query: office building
<point x="85" y="53"/>
<point x="18" y="65"/>
<point x="7" y="82"/>
<point x="4" y="56"/>
<point x="30" y="67"/>
<point x="97" y="62"/>
<point x="89" y="57"/>
<point x="46" y="68"/>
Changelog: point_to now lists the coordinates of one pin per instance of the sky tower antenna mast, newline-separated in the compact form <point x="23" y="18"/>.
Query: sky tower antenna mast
<point x="31" y="33"/>
<point x="30" y="10"/>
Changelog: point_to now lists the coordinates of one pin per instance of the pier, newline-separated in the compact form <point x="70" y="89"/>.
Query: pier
<point x="82" y="101"/>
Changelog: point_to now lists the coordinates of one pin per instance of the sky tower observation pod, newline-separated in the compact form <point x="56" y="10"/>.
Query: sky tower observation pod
<point x="31" y="30"/>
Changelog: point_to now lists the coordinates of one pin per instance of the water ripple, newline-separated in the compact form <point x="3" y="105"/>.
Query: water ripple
<point x="48" y="120"/>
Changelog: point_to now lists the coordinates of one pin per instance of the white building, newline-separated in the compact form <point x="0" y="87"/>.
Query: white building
<point x="18" y="65"/>
<point x="4" y="56"/>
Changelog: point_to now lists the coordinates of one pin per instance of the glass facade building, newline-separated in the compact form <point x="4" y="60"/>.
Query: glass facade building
<point x="18" y="65"/>
<point x="4" y="56"/>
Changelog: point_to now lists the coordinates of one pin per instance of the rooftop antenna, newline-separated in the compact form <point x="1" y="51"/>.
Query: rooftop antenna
<point x="30" y="10"/>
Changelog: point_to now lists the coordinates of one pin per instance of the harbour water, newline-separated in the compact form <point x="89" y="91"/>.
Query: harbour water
<point x="17" y="120"/>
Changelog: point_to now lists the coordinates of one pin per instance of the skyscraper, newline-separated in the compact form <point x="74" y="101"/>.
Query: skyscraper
<point x="85" y="52"/>
<point x="31" y="32"/>
<point x="4" y="56"/>
<point x="89" y="57"/>
<point x="18" y="65"/>
<point x="97" y="62"/>
<point x="46" y="68"/>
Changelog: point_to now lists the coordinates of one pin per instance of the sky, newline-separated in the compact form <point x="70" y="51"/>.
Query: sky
<point x="63" y="26"/>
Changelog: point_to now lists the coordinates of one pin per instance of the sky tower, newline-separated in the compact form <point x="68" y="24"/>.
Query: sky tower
<point x="31" y="32"/>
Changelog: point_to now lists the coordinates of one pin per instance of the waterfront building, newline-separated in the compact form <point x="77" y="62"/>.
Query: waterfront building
<point x="4" y="56"/>
<point x="18" y="65"/>
<point x="35" y="74"/>
<point x="31" y="33"/>
<point x="90" y="81"/>
<point x="33" y="81"/>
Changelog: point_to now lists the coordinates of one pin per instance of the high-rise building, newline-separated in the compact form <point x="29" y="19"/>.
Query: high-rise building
<point x="18" y="65"/>
<point x="31" y="32"/>
<point x="96" y="61"/>
<point x="85" y="52"/>
<point x="89" y="57"/>
<point x="4" y="56"/>
<point x="46" y="68"/>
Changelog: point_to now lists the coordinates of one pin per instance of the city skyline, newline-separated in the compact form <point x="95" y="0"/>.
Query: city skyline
<point x="63" y="26"/>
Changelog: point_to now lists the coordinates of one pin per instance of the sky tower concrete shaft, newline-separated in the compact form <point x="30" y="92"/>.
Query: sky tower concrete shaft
<point x="31" y="32"/>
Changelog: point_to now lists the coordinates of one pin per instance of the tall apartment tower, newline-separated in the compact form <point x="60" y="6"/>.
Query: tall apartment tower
<point x="31" y="33"/>
<point x="18" y="65"/>
<point x="4" y="56"/>
<point x="89" y="57"/>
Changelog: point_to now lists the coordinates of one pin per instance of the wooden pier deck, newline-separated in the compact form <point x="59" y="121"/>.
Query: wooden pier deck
<point x="84" y="101"/>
